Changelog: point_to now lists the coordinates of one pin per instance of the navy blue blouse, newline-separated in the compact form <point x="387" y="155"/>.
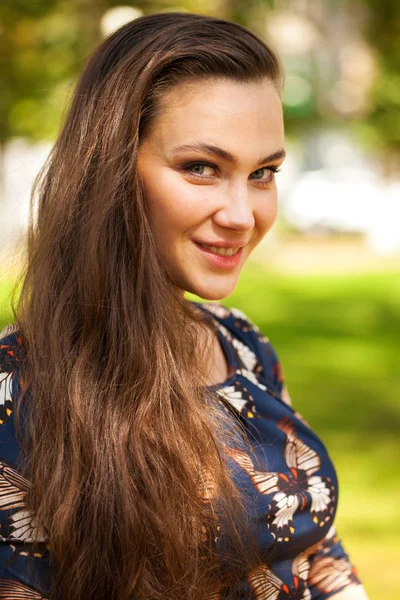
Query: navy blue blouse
<point x="287" y="473"/>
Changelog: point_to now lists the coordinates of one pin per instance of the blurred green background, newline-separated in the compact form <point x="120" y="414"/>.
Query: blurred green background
<point x="325" y="285"/>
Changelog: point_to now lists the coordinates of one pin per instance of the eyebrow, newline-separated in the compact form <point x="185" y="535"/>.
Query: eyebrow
<point x="224" y="154"/>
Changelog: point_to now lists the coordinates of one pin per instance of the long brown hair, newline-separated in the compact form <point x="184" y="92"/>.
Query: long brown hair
<point x="122" y="442"/>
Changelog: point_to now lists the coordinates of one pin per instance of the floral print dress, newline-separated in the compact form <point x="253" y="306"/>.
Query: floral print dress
<point x="288" y="474"/>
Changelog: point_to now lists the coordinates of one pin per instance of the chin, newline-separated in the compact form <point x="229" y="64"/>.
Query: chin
<point x="213" y="293"/>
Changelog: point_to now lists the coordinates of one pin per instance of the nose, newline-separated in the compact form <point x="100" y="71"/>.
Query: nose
<point x="236" y="209"/>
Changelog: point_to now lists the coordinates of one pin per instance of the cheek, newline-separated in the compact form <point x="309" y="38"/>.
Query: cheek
<point x="266" y="213"/>
<point x="173" y="205"/>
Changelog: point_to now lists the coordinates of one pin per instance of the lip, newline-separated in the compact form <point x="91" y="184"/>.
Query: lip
<point x="217" y="260"/>
<point x="222" y="244"/>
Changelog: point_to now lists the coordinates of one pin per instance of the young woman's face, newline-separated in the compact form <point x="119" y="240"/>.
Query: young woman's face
<point x="207" y="166"/>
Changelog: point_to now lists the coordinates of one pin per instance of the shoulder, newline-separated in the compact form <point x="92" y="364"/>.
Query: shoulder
<point x="233" y="316"/>
<point x="238" y="323"/>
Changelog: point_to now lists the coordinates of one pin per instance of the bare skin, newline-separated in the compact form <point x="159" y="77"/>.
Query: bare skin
<point x="217" y="366"/>
<point x="196" y="195"/>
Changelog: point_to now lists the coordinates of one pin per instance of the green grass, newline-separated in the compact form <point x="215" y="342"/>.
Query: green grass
<point x="5" y="310"/>
<point x="338" y="341"/>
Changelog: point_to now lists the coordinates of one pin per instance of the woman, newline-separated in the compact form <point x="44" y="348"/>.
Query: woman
<point x="148" y="447"/>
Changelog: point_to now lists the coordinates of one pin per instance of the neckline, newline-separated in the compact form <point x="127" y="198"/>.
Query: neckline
<point x="230" y="355"/>
<point x="231" y="362"/>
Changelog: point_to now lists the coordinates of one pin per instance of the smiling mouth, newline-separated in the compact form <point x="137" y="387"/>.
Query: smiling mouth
<point x="220" y="251"/>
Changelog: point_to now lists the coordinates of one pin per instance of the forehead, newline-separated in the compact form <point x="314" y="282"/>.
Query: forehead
<point x="235" y="115"/>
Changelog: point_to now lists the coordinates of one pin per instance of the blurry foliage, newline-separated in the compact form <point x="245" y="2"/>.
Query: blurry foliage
<point x="44" y="43"/>
<point x="383" y="32"/>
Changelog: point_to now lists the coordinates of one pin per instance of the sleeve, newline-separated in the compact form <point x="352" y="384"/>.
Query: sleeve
<point x="23" y="549"/>
<point x="330" y="568"/>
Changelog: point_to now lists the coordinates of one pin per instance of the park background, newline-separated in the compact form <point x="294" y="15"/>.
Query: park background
<point x="324" y="286"/>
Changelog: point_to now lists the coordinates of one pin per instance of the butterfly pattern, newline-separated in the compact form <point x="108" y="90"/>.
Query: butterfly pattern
<point x="14" y="590"/>
<point x="292" y="490"/>
<point x="9" y="360"/>
<point x="266" y="585"/>
<point x="237" y="395"/>
<point x="6" y="404"/>
<point x="20" y="525"/>
<point x="287" y="472"/>
<point x="327" y="572"/>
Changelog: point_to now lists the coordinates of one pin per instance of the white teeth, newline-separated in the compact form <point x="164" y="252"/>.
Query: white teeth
<point x="221" y="251"/>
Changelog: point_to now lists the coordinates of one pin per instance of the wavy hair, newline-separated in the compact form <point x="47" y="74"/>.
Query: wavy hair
<point x="123" y="441"/>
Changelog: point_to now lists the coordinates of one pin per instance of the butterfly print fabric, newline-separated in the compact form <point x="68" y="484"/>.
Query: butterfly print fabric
<point x="287" y="473"/>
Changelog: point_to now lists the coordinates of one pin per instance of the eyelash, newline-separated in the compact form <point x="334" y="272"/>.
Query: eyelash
<point x="189" y="166"/>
